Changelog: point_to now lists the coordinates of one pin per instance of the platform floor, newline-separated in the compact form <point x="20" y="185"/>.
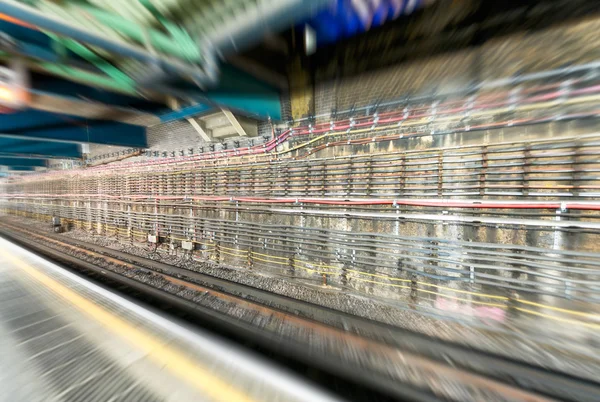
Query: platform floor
<point x="63" y="338"/>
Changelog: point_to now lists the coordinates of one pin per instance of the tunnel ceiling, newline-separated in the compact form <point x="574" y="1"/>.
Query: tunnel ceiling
<point x="100" y="71"/>
<point x="433" y="27"/>
<point x="443" y="26"/>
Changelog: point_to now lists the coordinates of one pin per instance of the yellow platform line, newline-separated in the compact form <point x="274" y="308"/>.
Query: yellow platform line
<point x="163" y="355"/>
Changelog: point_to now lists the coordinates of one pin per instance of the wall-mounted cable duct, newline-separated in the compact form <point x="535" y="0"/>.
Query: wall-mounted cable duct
<point x="534" y="98"/>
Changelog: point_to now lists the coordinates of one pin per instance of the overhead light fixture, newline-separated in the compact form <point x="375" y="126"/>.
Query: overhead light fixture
<point x="310" y="40"/>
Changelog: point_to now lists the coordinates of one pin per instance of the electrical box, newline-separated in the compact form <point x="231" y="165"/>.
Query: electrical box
<point x="187" y="245"/>
<point x="152" y="239"/>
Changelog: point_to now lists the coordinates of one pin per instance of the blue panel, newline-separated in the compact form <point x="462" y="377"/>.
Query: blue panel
<point x="40" y="148"/>
<point x="34" y="118"/>
<point x="31" y="119"/>
<point x="120" y="134"/>
<point x="38" y="52"/>
<point x="185" y="112"/>
<point x="236" y="90"/>
<point x="22" y="162"/>
<point x="244" y="93"/>
<point x="22" y="168"/>
<point x="380" y="13"/>
<point x="254" y="105"/>
<point x="344" y="18"/>
<point x="326" y="26"/>
<point x="35" y="124"/>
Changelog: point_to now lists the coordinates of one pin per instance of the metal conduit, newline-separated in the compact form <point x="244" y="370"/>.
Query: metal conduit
<point x="175" y="225"/>
<point x="539" y="169"/>
<point x="342" y="269"/>
<point x="464" y="109"/>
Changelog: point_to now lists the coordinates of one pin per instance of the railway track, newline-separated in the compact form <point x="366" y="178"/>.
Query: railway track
<point x="388" y="359"/>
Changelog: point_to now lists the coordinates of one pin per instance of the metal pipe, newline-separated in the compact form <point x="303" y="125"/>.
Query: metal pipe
<point x="439" y="203"/>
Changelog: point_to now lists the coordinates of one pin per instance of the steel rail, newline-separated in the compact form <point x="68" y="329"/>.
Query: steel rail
<point x="422" y="352"/>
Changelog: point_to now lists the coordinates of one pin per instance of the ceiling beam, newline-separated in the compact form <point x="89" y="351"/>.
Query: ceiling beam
<point x="234" y="122"/>
<point x="22" y="162"/>
<point x="199" y="129"/>
<point x="237" y="90"/>
<point x="243" y="93"/>
<point x="10" y="147"/>
<point x="32" y="119"/>
<point x="38" y="125"/>
<point x="43" y="21"/>
<point x="118" y="134"/>
<point x="21" y="168"/>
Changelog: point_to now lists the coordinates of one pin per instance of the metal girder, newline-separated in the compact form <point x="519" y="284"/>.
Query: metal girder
<point x="23" y="34"/>
<point x="199" y="129"/>
<point x="22" y="168"/>
<point x="20" y="162"/>
<point x="119" y="134"/>
<point x="48" y="90"/>
<point x="71" y="60"/>
<point x="38" y="149"/>
<point x="237" y="90"/>
<point x="31" y="119"/>
<point x="140" y="48"/>
<point x="255" y="104"/>
<point x="48" y="102"/>
<point x="235" y="123"/>
<point x="39" y="125"/>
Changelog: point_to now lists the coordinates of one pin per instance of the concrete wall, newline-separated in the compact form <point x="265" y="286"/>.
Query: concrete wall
<point x="568" y="44"/>
<point x="574" y="43"/>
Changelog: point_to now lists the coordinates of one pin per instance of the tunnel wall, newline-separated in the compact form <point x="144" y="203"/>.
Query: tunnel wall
<point x="470" y="199"/>
<point x="470" y="195"/>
